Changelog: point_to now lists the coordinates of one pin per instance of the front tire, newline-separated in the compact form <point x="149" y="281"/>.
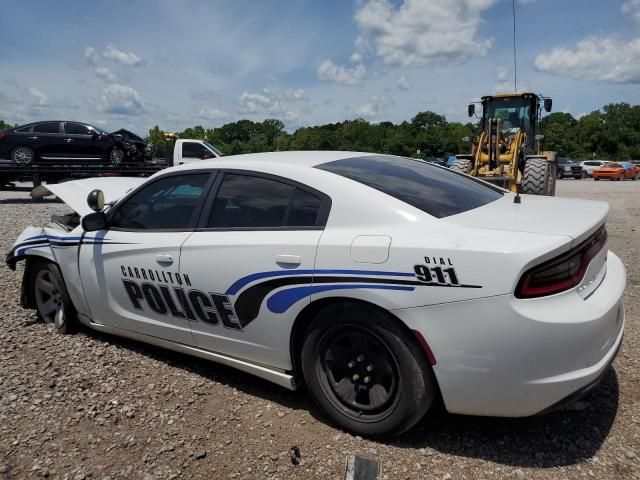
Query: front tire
<point x="462" y="165"/>
<point x="51" y="297"/>
<point x="538" y="177"/>
<point x="23" y="155"/>
<point x="116" y="156"/>
<point x="365" y="371"/>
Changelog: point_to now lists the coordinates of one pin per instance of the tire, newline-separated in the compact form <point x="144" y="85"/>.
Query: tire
<point x="584" y="175"/>
<point x="51" y="297"/>
<point x="596" y="179"/>
<point x="116" y="156"/>
<point x="462" y="165"/>
<point x="36" y="179"/>
<point x="538" y="178"/>
<point x="621" y="177"/>
<point x="386" y="359"/>
<point x="23" y="155"/>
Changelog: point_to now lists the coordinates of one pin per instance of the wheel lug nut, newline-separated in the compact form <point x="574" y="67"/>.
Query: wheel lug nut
<point x="351" y="364"/>
<point x="369" y="368"/>
<point x="360" y="358"/>
<point x="355" y="377"/>
<point x="366" y="379"/>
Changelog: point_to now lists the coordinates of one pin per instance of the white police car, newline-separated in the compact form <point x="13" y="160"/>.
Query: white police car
<point x="380" y="282"/>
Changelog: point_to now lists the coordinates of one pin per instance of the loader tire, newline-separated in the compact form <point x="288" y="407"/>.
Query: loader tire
<point x="462" y="165"/>
<point x="538" y="178"/>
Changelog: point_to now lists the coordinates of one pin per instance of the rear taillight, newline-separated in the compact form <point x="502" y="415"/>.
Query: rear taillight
<point x="563" y="272"/>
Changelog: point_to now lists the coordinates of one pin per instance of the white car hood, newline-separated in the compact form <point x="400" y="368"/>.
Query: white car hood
<point x="74" y="193"/>
<point x="570" y="217"/>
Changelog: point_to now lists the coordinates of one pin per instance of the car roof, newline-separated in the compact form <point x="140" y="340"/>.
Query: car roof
<point x="295" y="159"/>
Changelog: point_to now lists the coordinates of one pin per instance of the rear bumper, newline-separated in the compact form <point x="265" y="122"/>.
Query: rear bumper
<point x="501" y="356"/>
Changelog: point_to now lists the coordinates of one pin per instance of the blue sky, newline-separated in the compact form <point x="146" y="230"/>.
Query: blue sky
<point x="177" y="64"/>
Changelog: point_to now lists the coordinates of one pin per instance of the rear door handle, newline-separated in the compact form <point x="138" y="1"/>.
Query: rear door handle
<point x="68" y="140"/>
<point x="289" y="260"/>
<point x="33" y="138"/>
<point x="164" y="259"/>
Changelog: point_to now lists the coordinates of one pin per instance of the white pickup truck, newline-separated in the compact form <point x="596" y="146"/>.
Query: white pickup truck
<point x="189" y="151"/>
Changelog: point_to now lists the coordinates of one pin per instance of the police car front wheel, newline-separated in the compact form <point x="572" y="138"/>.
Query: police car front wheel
<point x="51" y="297"/>
<point x="365" y="371"/>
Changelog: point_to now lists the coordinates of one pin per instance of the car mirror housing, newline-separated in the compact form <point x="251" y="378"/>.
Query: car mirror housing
<point x="94" y="221"/>
<point x="471" y="109"/>
<point x="95" y="200"/>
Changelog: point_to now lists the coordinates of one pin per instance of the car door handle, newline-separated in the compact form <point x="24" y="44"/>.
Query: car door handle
<point x="289" y="260"/>
<point x="164" y="259"/>
<point x="68" y="140"/>
<point x="33" y="138"/>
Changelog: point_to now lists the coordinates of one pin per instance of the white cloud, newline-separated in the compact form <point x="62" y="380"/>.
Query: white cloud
<point x="632" y="7"/>
<point x="272" y="101"/>
<point x="212" y="113"/>
<point x="526" y="2"/>
<point x="417" y="32"/>
<point x="502" y="73"/>
<point x="600" y="58"/>
<point x="91" y="55"/>
<point x="38" y="98"/>
<point x="328" y="70"/>
<point x="105" y="73"/>
<point x="375" y="107"/>
<point x="121" y="100"/>
<point x="403" y="83"/>
<point x="126" y="58"/>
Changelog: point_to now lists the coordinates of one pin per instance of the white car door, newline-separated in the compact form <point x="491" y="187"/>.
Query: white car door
<point x="130" y="272"/>
<point x="257" y="237"/>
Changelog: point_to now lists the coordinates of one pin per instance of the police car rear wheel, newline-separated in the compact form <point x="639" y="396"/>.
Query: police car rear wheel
<point x="365" y="371"/>
<point x="51" y="297"/>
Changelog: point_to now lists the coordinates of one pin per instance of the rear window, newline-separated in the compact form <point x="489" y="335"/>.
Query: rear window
<point x="434" y="190"/>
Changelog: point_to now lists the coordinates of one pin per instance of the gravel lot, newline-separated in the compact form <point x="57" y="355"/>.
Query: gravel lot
<point x="95" y="406"/>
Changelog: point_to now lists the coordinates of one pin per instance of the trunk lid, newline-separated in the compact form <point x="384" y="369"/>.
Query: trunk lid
<point x="570" y="217"/>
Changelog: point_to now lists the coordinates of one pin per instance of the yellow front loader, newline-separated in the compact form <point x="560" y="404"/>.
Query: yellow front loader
<point x="509" y="150"/>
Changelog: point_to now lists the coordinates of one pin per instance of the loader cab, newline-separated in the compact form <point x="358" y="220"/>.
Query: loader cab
<point x="517" y="113"/>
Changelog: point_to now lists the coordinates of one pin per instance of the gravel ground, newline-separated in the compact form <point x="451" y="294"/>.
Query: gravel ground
<point x="95" y="406"/>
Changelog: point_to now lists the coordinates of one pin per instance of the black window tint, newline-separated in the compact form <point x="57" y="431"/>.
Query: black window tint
<point x="434" y="190"/>
<point x="168" y="203"/>
<point x="24" y="129"/>
<point x="192" y="149"/>
<point x="76" y="129"/>
<point x="47" y="127"/>
<point x="247" y="201"/>
<point x="303" y="209"/>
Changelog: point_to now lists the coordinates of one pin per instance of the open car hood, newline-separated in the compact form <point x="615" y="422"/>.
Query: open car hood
<point x="126" y="133"/>
<point x="74" y="193"/>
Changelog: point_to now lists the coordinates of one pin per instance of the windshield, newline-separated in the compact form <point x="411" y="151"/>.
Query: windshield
<point x="514" y="113"/>
<point x="212" y="148"/>
<point x="435" y="190"/>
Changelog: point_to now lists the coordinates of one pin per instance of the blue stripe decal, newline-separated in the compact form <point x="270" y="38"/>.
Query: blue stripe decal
<point x="239" y="284"/>
<point x="284" y="299"/>
<point x="20" y="251"/>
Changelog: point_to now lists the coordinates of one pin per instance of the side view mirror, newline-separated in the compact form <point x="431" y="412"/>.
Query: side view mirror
<point x="471" y="109"/>
<point x="94" y="221"/>
<point x="548" y="103"/>
<point x="95" y="200"/>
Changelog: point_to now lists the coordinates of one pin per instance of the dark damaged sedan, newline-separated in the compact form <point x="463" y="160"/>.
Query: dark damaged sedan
<point x="54" y="141"/>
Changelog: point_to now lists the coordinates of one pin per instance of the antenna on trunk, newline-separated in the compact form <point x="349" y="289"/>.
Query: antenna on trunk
<point x="515" y="58"/>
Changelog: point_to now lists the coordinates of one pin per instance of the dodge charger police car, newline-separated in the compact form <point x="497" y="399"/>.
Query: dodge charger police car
<point x="380" y="282"/>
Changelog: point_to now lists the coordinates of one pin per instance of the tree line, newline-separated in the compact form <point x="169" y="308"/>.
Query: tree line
<point x="611" y="133"/>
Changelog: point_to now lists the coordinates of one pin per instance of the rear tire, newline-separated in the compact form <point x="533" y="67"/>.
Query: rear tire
<point x="51" y="297"/>
<point x="365" y="371"/>
<point x="462" y="165"/>
<point x="23" y="155"/>
<point x="596" y="179"/>
<point x="538" y="178"/>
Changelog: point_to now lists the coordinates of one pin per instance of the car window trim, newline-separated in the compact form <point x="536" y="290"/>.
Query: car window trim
<point x="321" y="220"/>
<point x="195" y="216"/>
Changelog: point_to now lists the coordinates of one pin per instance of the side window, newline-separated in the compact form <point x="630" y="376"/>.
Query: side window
<point x="192" y="150"/>
<point x="47" y="127"/>
<point x="168" y="203"/>
<point x="73" y="128"/>
<point x="246" y="201"/>
<point x="25" y="129"/>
